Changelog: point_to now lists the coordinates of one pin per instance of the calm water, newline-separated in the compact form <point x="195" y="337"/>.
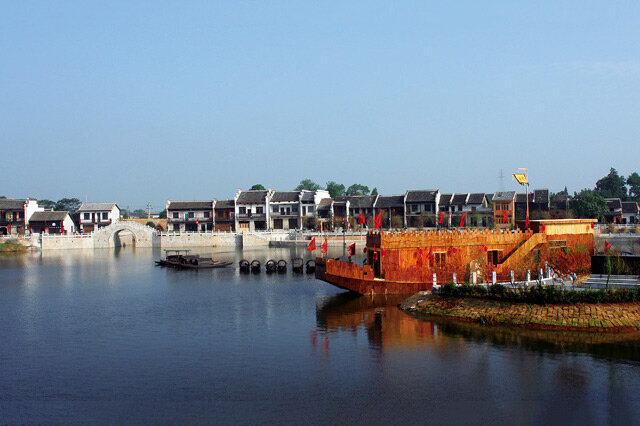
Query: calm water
<point x="103" y="336"/>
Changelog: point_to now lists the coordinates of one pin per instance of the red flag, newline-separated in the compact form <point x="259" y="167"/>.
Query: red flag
<point x="312" y="244"/>
<point x="323" y="246"/>
<point x="504" y="216"/>
<point x="441" y="220"/>
<point x="352" y="249"/>
<point x="462" y="219"/>
<point x="377" y="222"/>
<point x="485" y="248"/>
<point x="607" y="246"/>
<point x="593" y="225"/>
<point x="361" y="219"/>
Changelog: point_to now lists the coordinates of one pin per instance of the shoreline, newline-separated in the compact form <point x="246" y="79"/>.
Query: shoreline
<point x="591" y="318"/>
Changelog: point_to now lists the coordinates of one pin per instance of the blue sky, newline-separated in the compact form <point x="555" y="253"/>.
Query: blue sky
<point x="144" y="101"/>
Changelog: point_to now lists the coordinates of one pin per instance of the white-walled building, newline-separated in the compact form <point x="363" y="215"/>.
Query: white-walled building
<point x="252" y="209"/>
<point x="51" y="222"/>
<point x="190" y="216"/>
<point x="285" y="210"/>
<point x="94" y="216"/>
<point x="15" y="215"/>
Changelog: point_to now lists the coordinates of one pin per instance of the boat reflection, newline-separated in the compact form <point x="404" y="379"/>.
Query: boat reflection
<point x="386" y="327"/>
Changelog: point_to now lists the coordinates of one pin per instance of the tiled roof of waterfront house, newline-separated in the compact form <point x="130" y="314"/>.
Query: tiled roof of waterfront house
<point x="425" y="196"/>
<point x="459" y="199"/>
<point x="48" y="216"/>
<point x="522" y="198"/>
<point x="359" y="201"/>
<point x="477" y="198"/>
<point x="614" y="203"/>
<point x="560" y="198"/>
<point x="225" y="204"/>
<point x="307" y="196"/>
<point x="325" y="204"/>
<point x="504" y="196"/>
<point x="630" y="207"/>
<point x="541" y="196"/>
<point x="11" y="204"/>
<point x="252" y="196"/>
<point x="282" y="196"/>
<point x="190" y="205"/>
<point x="390" y="201"/>
<point x="93" y="207"/>
<point x="445" y="200"/>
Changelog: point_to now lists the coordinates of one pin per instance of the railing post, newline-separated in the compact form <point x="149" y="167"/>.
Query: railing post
<point x="455" y="279"/>
<point x="528" y="275"/>
<point x="512" y="276"/>
<point x="493" y="277"/>
<point x="474" y="277"/>
<point x="435" y="279"/>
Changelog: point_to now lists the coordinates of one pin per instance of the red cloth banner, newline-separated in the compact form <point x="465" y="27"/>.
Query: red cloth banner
<point x="462" y="219"/>
<point x="312" y="244"/>
<point x="323" y="246"/>
<point x="378" y="221"/>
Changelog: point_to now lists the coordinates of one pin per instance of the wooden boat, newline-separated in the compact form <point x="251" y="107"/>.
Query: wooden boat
<point x="297" y="264"/>
<point x="255" y="266"/>
<point x="271" y="266"/>
<point x="282" y="266"/>
<point x="176" y="259"/>
<point x="244" y="265"/>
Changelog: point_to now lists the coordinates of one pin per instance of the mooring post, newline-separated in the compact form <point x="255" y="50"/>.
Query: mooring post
<point x="474" y="277"/>
<point x="493" y="277"/>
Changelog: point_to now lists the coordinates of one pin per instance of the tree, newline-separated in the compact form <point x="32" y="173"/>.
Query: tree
<point x="47" y="204"/>
<point x="612" y="186"/>
<point x="335" y="189"/>
<point x="357" y="189"/>
<point x="588" y="204"/>
<point x="142" y="213"/>
<point x="257" y="187"/>
<point x="374" y="191"/>
<point x="3" y="197"/>
<point x="67" y="204"/>
<point x="150" y="224"/>
<point x="163" y="214"/>
<point x="634" y="186"/>
<point x="307" y="184"/>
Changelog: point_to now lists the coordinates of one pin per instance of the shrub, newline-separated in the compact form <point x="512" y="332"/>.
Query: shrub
<point x="150" y="224"/>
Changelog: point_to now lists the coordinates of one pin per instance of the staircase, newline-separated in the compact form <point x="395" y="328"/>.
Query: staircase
<point x="524" y="249"/>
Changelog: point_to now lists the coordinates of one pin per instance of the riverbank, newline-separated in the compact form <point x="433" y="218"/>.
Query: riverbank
<point x="12" y="247"/>
<point x="601" y="317"/>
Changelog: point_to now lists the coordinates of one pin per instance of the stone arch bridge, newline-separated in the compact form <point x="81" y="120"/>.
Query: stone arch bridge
<point x="144" y="236"/>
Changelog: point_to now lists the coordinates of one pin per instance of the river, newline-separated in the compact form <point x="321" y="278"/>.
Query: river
<point x="103" y="336"/>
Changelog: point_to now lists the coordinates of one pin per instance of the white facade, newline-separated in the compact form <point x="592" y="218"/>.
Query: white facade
<point x="252" y="210"/>
<point x="98" y="215"/>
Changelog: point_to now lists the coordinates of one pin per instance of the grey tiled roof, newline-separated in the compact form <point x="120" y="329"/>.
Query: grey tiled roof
<point x="92" y="207"/>
<point x="541" y="196"/>
<point x="190" y="205"/>
<point x="359" y="201"/>
<point x="445" y="200"/>
<point x="255" y="196"/>
<point x="280" y="196"/>
<point x="225" y="204"/>
<point x="425" y="196"/>
<point x="11" y="204"/>
<point x="307" y="196"/>
<point x="459" y="199"/>
<point x="48" y="216"/>
<point x="477" y="198"/>
<point x="630" y="207"/>
<point x="614" y="203"/>
<point x="390" y="201"/>
<point x="504" y="195"/>
<point x="522" y="198"/>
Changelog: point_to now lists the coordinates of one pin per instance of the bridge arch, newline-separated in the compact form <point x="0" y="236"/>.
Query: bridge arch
<point x="143" y="235"/>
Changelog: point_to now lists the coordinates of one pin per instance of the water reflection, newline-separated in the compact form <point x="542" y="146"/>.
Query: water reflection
<point x="387" y="326"/>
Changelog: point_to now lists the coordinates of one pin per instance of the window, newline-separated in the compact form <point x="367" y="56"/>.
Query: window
<point x="242" y="210"/>
<point x="493" y="256"/>
<point x="441" y="259"/>
<point x="414" y="208"/>
<point x="105" y="216"/>
<point x="20" y="215"/>
<point x="191" y="215"/>
<point x="87" y="216"/>
<point x="276" y="209"/>
<point x="176" y="215"/>
<point x="259" y="210"/>
<point x="295" y="208"/>
<point x="311" y="208"/>
<point x="207" y="215"/>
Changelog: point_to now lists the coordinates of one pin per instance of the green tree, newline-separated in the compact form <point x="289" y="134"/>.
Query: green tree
<point x="258" y="187"/>
<point x="588" y="204"/>
<point x="47" y="204"/>
<point x="612" y="186"/>
<point x="357" y="189"/>
<point x="374" y="191"/>
<point x="307" y="184"/>
<point x="3" y="197"/>
<point x="335" y="189"/>
<point x="68" y="204"/>
<point x="634" y="186"/>
<point x="150" y="224"/>
<point x="163" y="214"/>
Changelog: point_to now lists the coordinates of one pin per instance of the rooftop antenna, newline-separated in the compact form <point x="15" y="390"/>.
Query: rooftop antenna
<point x="501" y="178"/>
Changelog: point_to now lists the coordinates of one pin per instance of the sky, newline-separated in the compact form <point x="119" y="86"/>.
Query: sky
<point x="138" y="102"/>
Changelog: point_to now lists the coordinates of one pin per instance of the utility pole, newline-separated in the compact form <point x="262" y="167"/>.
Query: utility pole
<point x="501" y="178"/>
<point x="148" y="210"/>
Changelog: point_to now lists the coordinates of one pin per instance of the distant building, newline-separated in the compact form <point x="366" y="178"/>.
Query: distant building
<point x="539" y="205"/>
<point x="504" y="206"/>
<point x="190" y="216"/>
<point x="421" y="207"/>
<point x="392" y="207"/>
<point x="51" y="222"/>
<point x="630" y="213"/>
<point x="285" y="210"/>
<point x="94" y="216"/>
<point x="614" y="210"/>
<point x="15" y="215"/>
<point x="309" y="203"/>
<point x="252" y="209"/>
<point x="224" y="215"/>
<point x="360" y="204"/>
